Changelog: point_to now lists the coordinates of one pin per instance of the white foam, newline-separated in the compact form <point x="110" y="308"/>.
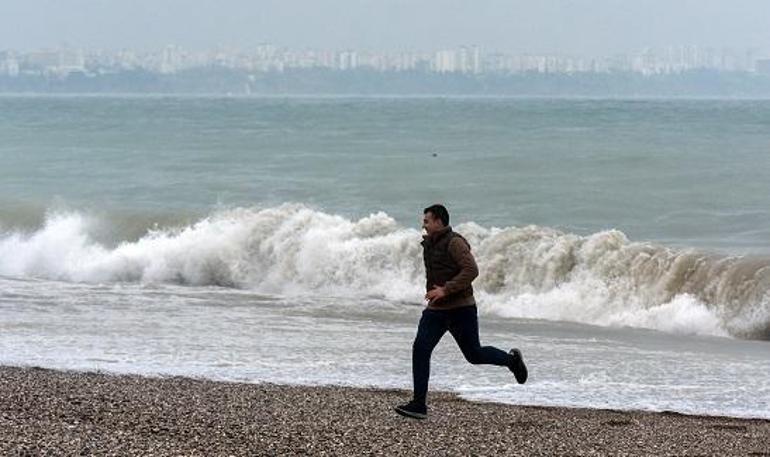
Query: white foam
<point x="286" y="249"/>
<point x="527" y="272"/>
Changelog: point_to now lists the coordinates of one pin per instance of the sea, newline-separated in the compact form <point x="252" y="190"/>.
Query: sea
<point x="623" y="244"/>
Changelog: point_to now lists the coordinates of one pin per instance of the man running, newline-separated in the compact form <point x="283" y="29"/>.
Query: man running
<point x="449" y="269"/>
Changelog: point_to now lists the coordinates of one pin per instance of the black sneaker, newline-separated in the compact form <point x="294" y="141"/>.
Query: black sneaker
<point x="516" y="365"/>
<point x="413" y="409"/>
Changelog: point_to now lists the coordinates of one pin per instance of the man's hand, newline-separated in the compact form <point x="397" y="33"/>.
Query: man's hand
<point x="435" y="294"/>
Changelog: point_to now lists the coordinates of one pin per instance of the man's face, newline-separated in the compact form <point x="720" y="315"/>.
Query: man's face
<point x="431" y="223"/>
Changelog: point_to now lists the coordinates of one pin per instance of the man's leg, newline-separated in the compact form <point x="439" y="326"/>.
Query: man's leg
<point x="464" y="327"/>
<point x="433" y="325"/>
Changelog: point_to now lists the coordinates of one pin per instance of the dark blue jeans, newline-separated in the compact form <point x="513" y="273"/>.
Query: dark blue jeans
<point x="463" y="324"/>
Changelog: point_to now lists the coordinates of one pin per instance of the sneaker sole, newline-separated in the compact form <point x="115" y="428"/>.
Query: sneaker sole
<point x="411" y="414"/>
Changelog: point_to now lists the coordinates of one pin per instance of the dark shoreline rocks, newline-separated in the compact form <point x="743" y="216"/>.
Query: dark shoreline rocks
<point x="49" y="412"/>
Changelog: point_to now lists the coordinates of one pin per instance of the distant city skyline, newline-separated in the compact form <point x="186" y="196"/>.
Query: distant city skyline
<point x="553" y="27"/>
<point x="466" y="59"/>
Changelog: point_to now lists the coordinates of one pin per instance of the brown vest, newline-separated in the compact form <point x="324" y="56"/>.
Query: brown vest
<point x="440" y="267"/>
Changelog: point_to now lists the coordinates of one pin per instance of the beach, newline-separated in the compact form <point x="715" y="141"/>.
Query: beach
<point x="50" y="412"/>
<point x="185" y="263"/>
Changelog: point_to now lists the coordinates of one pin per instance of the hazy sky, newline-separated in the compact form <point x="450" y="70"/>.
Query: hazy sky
<point x="547" y="26"/>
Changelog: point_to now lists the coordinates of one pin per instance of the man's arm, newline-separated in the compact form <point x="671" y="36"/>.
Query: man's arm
<point x="461" y="253"/>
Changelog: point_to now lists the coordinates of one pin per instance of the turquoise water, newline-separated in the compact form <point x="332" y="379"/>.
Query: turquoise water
<point x="622" y="244"/>
<point x="686" y="173"/>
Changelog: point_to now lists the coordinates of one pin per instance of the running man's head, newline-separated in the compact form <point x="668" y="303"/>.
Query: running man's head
<point x="435" y="218"/>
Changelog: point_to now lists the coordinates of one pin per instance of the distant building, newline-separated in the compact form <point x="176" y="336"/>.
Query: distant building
<point x="55" y="62"/>
<point x="71" y="60"/>
<point x="9" y="66"/>
<point x="762" y="66"/>
<point x="41" y="61"/>
<point x="326" y="59"/>
<point x="445" y="62"/>
<point x="347" y="60"/>
<point x="463" y="60"/>
<point x="266" y="51"/>
<point x="476" y="60"/>
<point x="171" y="61"/>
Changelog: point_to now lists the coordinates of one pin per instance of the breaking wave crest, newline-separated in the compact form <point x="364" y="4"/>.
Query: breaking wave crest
<point x="530" y="272"/>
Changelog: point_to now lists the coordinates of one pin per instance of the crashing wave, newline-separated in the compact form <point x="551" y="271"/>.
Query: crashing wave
<point x="528" y="272"/>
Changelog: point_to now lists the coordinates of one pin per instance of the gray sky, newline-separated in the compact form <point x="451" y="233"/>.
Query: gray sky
<point x="591" y="27"/>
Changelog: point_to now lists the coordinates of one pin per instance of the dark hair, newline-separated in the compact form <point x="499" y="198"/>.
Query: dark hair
<point x="438" y="211"/>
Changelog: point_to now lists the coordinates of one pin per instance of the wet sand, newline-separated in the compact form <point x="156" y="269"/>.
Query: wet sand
<point x="48" y="412"/>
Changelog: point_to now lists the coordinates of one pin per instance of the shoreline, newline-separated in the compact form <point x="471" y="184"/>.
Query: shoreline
<point x="46" y="411"/>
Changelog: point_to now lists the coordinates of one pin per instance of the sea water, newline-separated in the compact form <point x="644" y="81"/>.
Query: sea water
<point x="623" y="245"/>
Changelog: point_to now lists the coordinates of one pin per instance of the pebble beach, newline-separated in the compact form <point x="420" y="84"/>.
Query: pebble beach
<point x="49" y="412"/>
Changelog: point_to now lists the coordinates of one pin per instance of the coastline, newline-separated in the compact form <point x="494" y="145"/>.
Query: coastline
<point x="50" y="412"/>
